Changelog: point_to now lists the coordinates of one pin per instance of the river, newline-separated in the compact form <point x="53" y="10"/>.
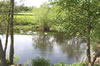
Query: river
<point x="57" y="47"/>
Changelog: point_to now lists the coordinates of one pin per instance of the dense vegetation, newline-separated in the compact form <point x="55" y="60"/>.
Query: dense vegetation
<point x="74" y="17"/>
<point x="44" y="62"/>
<point x="39" y="18"/>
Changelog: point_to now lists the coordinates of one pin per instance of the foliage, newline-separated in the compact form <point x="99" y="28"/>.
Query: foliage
<point x="71" y="16"/>
<point x="3" y="13"/>
<point x="20" y="27"/>
<point x="74" y="64"/>
<point x="22" y="8"/>
<point x="40" y="62"/>
<point x="45" y="16"/>
<point x="4" y="9"/>
<point x="76" y="16"/>
<point x="79" y="64"/>
<point x="96" y="37"/>
<point x="60" y="64"/>
<point x="79" y="16"/>
<point x="16" y="58"/>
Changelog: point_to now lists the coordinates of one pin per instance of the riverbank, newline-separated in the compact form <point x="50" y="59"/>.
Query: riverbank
<point x="60" y="64"/>
<point x="26" y="28"/>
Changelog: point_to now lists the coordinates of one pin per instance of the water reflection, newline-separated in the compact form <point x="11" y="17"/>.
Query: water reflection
<point x="53" y="46"/>
<point x="72" y="47"/>
<point x="43" y="42"/>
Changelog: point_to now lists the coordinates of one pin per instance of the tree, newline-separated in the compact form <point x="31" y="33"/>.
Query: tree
<point x="44" y="16"/>
<point x="2" y="56"/>
<point x="11" y="31"/>
<point x="4" y="20"/>
<point x="7" y="15"/>
<point x="80" y="17"/>
<point x="23" y="8"/>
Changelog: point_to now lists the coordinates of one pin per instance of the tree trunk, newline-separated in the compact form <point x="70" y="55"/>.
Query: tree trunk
<point x="46" y="28"/>
<point x="6" y="42"/>
<point x="12" y="33"/>
<point x="88" y="35"/>
<point x="88" y="46"/>
<point x="2" y="56"/>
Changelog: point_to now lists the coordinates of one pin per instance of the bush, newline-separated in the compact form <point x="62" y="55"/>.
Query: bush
<point x="60" y="64"/>
<point x="79" y="64"/>
<point x="40" y="62"/>
<point x="97" y="65"/>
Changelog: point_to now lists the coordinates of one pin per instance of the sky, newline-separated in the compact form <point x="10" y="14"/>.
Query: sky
<point x="30" y="3"/>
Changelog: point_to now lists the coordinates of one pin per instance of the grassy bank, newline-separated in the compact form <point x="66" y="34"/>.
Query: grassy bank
<point x="24" y="19"/>
<point x="27" y="27"/>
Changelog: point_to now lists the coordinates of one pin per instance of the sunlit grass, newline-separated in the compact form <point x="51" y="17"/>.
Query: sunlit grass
<point x="24" y="20"/>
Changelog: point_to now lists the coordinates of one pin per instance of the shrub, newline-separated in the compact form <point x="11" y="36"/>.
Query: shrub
<point x="97" y="65"/>
<point x="79" y="64"/>
<point x="40" y="62"/>
<point x="60" y="64"/>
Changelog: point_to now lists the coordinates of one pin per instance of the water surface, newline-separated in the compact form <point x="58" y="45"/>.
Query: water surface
<point x="56" y="47"/>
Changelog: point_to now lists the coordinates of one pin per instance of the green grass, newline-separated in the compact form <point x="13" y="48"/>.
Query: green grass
<point x="25" y="19"/>
<point x="25" y="28"/>
<point x="25" y="13"/>
<point x="20" y="27"/>
<point x="25" y="22"/>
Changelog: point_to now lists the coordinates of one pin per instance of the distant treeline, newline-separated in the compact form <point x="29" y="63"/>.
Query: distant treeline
<point x="23" y="8"/>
